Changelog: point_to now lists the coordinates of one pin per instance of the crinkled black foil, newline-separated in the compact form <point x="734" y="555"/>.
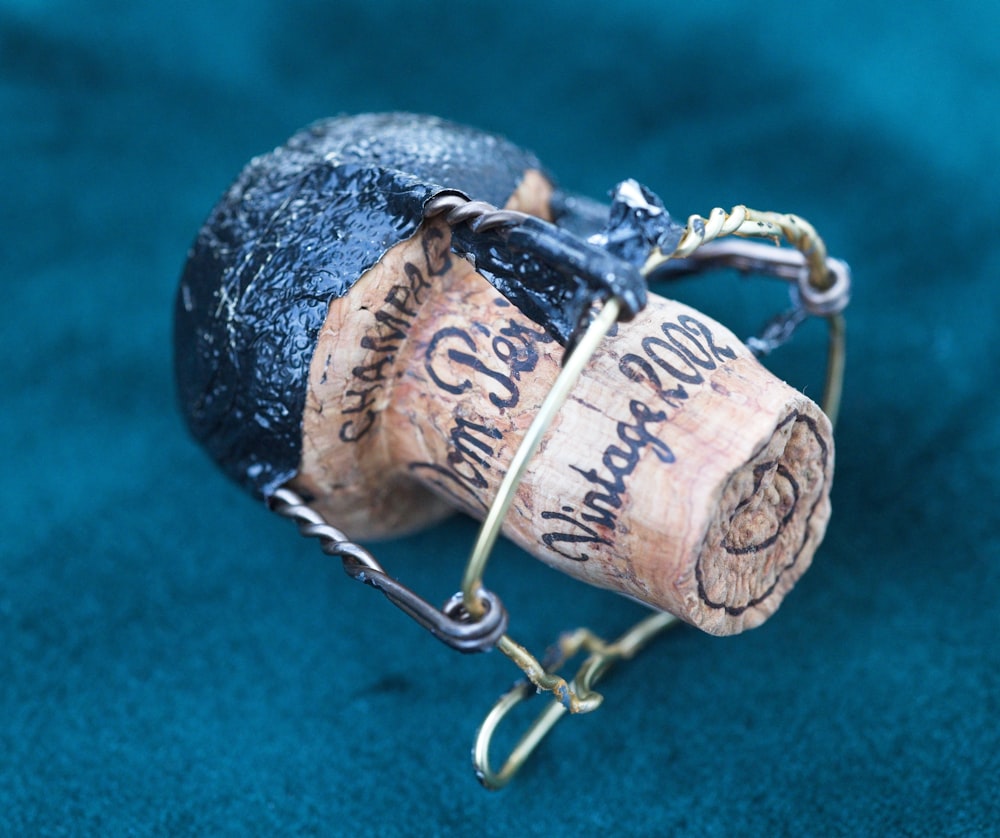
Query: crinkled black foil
<point x="295" y="231"/>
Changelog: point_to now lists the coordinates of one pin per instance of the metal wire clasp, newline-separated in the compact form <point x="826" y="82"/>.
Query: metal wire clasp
<point x="474" y="619"/>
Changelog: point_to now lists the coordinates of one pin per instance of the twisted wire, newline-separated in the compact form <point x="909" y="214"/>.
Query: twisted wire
<point x="480" y="215"/>
<point x="741" y="221"/>
<point x="823" y="285"/>
<point x="454" y="624"/>
<point x="311" y="524"/>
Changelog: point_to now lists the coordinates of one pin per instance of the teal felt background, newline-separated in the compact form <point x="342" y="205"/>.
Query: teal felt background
<point x="175" y="661"/>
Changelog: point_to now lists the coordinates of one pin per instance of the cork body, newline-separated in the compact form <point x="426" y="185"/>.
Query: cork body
<point x="680" y="472"/>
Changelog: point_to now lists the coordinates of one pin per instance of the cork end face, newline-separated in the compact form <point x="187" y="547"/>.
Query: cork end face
<point x="771" y="518"/>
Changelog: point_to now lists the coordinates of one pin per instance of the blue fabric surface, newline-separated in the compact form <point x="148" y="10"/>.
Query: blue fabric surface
<point x="176" y="661"/>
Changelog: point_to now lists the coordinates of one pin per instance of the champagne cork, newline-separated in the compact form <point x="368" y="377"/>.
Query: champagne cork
<point x="680" y="472"/>
<point x="328" y="337"/>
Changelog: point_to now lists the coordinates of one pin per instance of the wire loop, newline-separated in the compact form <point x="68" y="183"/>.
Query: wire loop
<point x="602" y="657"/>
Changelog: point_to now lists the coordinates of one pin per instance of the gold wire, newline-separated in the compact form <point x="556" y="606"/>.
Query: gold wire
<point x="475" y="567"/>
<point x="835" y="360"/>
